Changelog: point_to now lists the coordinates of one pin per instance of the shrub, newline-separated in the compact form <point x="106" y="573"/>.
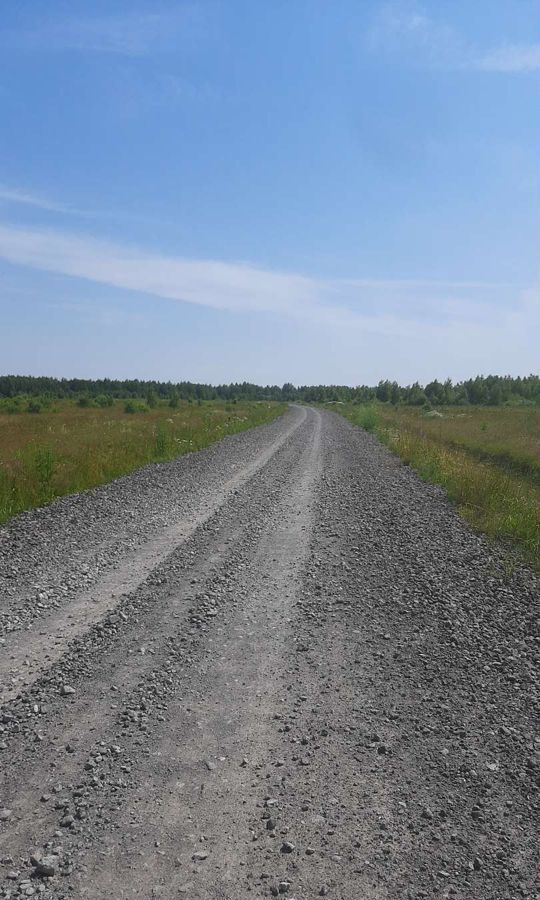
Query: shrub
<point x="34" y="406"/>
<point x="132" y="406"/>
<point x="104" y="400"/>
<point x="12" y="405"/>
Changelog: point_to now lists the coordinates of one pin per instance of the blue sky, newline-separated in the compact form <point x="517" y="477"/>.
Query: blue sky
<point x="292" y="190"/>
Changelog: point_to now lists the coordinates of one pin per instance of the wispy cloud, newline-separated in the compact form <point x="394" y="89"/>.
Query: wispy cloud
<point x="398" y="308"/>
<point x="512" y="58"/>
<point x="129" y="34"/>
<point x="402" y="29"/>
<point x="211" y="283"/>
<point x="24" y="198"/>
<point x="11" y="196"/>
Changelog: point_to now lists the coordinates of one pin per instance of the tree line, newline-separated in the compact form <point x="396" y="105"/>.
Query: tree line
<point x="490" y="390"/>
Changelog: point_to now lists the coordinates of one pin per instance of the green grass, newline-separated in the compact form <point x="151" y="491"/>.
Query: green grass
<point x="67" y="447"/>
<point x="487" y="459"/>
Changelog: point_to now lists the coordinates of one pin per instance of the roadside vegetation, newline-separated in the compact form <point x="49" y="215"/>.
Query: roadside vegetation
<point x="486" y="458"/>
<point x="49" y="448"/>
<point x="479" y="438"/>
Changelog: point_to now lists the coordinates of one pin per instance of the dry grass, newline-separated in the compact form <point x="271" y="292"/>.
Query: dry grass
<point x="68" y="449"/>
<point x="487" y="459"/>
<point x="506" y="436"/>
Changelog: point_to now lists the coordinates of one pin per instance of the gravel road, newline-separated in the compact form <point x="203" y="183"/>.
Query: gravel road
<point x="282" y="666"/>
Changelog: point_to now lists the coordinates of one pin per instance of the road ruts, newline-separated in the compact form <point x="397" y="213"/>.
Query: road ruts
<point x="326" y="686"/>
<point x="27" y="652"/>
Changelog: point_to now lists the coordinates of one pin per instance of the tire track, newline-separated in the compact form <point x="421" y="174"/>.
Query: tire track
<point x="209" y="761"/>
<point x="160" y="611"/>
<point x="25" y="655"/>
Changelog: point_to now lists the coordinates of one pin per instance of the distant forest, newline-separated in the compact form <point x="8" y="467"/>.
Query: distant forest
<point x="490" y="390"/>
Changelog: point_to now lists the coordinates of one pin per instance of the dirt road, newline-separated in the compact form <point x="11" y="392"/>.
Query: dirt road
<point x="281" y="666"/>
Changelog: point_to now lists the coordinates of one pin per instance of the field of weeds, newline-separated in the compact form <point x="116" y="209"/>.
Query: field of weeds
<point x="487" y="459"/>
<point x="67" y="448"/>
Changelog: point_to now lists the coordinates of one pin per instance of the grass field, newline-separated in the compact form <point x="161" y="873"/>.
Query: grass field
<point x="67" y="448"/>
<point x="487" y="459"/>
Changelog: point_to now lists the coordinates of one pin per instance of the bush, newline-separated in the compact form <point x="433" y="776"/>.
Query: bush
<point x="131" y="406"/>
<point x="34" y="406"/>
<point x="519" y="401"/>
<point x="12" y="405"/>
<point x="104" y="400"/>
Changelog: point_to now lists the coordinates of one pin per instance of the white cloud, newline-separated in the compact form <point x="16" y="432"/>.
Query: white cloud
<point x="398" y="29"/>
<point x="339" y="330"/>
<point x="13" y="195"/>
<point x="512" y="58"/>
<point x="131" y="34"/>
<point x="211" y="283"/>
<point x="403" y="29"/>
<point x="406" y="309"/>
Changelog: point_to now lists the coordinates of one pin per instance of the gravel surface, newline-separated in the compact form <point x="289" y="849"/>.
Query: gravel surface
<point x="283" y="666"/>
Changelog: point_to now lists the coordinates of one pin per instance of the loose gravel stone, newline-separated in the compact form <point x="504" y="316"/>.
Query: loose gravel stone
<point x="333" y="621"/>
<point x="44" y="865"/>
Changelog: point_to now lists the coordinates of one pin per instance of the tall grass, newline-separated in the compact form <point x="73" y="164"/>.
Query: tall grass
<point x="73" y="448"/>
<point x="367" y="418"/>
<point x="483" y="478"/>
